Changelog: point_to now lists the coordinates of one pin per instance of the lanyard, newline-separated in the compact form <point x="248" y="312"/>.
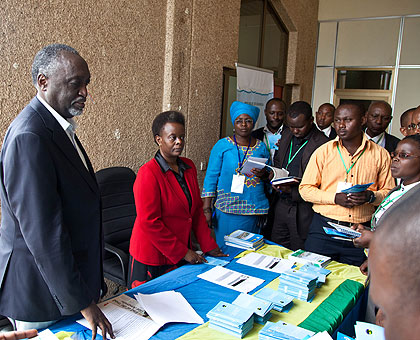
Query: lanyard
<point x="380" y="139"/>
<point x="385" y="203"/>
<point x="267" y="143"/>
<point x="342" y="160"/>
<point x="246" y="152"/>
<point x="290" y="152"/>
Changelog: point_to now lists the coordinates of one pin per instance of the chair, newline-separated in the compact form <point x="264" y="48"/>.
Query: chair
<point x="118" y="215"/>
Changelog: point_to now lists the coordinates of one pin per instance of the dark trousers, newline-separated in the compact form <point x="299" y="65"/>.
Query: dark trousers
<point x="339" y="250"/>
<point x="285" y="228"/>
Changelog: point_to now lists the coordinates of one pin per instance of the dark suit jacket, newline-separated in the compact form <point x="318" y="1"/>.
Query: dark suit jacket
<point x="304" y="209"/>
<point x="258" y="133"/>
<point x="391" y="142"/>
<point x="161" y="232"/>
<point x="51" y="237"/>
<point x="333" y="133"/>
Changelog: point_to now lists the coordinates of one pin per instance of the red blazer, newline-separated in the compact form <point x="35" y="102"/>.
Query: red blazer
<point x="162" y="228"/>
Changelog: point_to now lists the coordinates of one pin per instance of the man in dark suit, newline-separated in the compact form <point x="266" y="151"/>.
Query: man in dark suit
<point x="324" y="118"/>
<point x="275" y="110"/>
<point x="378" y="117"/>
<point x="293" y="215"/>
<point x="51" y="238"/>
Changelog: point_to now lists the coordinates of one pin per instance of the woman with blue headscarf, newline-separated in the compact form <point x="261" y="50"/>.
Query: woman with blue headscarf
<point x="239" y="201"/>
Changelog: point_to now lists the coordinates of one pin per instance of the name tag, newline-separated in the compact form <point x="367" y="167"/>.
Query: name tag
<point x="343" y="185"/>
<point x="238" y="182"/>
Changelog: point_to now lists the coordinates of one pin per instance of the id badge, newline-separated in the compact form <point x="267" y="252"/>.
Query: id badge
<point x="342" y="186"/>
<point x="238" y="182"/>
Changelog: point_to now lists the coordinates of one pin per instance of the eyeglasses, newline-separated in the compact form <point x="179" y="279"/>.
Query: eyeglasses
<point x="403" y="155"/>
<point x="413" y="126"/>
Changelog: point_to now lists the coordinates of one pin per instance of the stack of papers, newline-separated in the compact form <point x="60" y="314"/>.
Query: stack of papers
<point x="299" y="284"/>
<point x="140" y="318"/>
<point x="283" y="330"/>
<point x="280" y="301"/>
<point x="322" y="273"/>
<point x="231" y="319"/>
<point x="345" y="231"/>
<point x="260" y="308"/>
<point x="266" y="262"/>
<point x="244" y="240"/>
<point x="305" y="257"/>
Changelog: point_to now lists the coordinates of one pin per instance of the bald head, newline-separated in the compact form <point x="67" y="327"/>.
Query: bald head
<point x="395" y="273"/>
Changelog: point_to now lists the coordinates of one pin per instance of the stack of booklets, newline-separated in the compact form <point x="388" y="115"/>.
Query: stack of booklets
<point x="284" y="331"/>
<point x="280" y="301"/>
<point x="299" y="284"/>
<point x="322" y="273"/>
<point x="261" y="308"/>
<point x="231" y="319"/>
<point x="304" y="257"/>
<point x="244" y="240"/>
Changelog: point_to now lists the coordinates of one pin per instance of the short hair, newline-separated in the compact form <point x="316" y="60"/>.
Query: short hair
<point x="166" y="117"/>
<point x="327" y="104"/>
<point x="382" y="102"/>
<point x="415" y="138"/>
<point x="275" y="99"/>
<point x="45" y="60"/>
<point x="358" y="106"/>
<point x="300" y="108"/>
<point x="404" y="117"/>
<point x="398" y="237"/>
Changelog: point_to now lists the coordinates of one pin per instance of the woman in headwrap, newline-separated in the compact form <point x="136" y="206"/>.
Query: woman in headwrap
<point x="239" y="201"/>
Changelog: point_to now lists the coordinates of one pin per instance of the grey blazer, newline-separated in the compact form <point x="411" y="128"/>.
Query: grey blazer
<point x="50" y="235"/>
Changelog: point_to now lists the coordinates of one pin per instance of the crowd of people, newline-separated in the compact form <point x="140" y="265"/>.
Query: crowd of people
<point x="51" y="237"/>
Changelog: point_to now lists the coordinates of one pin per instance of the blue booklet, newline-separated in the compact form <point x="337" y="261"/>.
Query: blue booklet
<point x="258" y="306"/>
<point x="234" y="315"/>
<point x="357" y="188"/>
<point x="279" y="299"/>
<point x="215" y="261"/>
<point x="283" y="330"/>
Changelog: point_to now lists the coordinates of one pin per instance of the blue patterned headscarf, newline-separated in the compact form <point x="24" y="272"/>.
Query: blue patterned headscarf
<point x="238" y="108"/>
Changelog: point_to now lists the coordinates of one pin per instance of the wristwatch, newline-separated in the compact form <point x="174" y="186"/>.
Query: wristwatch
<point x="372" y="197"/>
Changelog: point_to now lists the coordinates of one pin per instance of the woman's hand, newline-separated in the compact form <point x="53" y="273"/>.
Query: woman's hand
<point x="216" y="253"/>
<point x="194" y="258"/>
<point x="261" y="173"/>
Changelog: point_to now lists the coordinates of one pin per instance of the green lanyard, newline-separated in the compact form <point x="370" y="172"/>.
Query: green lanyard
<point x="385" y="203"/>
<point x="290" y="153"/>
<point x="267" y="143"/>
<point x="380" y="139"/>
<point x="348" y="170"/>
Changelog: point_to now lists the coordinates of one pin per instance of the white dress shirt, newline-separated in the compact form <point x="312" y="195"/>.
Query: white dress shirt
<point x="68" y="125"/>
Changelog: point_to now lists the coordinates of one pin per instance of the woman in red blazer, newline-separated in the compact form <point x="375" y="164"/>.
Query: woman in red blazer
<point x="168" y="207"/>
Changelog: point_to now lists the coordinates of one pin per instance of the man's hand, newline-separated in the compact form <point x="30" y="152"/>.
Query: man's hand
<point x="18" y="335"/>
<point x="283" y="187"/>
<point x="194" y="258"/>
<point x="364" y="240"/>
<point x="364" y="267"/>
<point x="342" y="199"/>
<point x="216" y="253"/>
<point x="96" y="319"/>
<point x="359" y="198"/>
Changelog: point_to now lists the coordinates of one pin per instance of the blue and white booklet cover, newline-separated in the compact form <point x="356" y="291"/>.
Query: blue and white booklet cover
<point x="284" y="330"/>
<point x="357" y="188"/>
<point x="369" y="331"/>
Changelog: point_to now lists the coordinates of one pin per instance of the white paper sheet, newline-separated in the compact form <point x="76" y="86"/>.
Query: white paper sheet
<point x="45" y="335"/>
<point x="126" y="319"/>
<point x="321" y="336"/>
<point x="169" y="306"/>
<point x="251" y="163"/>
<point x="231" y="279"/>
<point x="266" y="262"/>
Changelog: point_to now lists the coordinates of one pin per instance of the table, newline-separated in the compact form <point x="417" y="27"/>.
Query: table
<point x="331" y="304"/>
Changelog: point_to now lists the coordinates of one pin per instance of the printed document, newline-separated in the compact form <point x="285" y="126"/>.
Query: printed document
<point x="266" y="262"/>
<point x="231" y="279"/>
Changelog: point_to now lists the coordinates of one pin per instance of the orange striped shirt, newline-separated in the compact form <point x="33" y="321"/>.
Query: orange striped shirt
<point x="325" y="170"/>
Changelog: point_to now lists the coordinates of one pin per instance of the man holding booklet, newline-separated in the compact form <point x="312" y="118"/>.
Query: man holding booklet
<point x="348" y="160"/>
<point x="292" y="214"/>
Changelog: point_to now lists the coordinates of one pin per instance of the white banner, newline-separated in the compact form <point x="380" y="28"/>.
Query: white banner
<point x="255" y="86"/>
